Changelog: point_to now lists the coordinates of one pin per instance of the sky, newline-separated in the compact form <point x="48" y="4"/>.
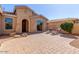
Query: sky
<point x="50" y="11"/>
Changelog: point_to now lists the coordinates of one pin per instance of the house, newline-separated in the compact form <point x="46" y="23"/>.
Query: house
<point x="23" y="19"/>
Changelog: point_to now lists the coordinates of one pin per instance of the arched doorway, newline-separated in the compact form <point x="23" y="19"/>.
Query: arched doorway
<point x="25" y="25"/>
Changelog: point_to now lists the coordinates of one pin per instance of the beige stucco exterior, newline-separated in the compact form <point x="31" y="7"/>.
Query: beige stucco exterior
<point x="56" y="23"/>
<point x="75" y="29"/>
<point x="22" y="13"/>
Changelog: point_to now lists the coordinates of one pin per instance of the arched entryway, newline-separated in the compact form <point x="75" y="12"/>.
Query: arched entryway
<point x="25" y="25"/>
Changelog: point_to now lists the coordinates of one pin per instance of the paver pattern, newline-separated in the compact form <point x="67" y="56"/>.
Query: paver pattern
<point x="40" y="43"/>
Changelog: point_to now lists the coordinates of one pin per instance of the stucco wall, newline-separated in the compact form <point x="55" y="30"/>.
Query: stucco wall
<point x="18" y="16"/>
<point x="33" y="26"/>
<point x="53" y="24"/>
<point x="22" y="13"/>
<point x="0" y="24"/>
<point x="75" y="29"/>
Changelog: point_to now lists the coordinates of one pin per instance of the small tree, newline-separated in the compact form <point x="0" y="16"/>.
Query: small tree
<point x="67" y="27"/>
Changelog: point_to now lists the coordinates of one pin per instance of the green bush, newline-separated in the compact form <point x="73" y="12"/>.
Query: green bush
<point x="67" y="27"/>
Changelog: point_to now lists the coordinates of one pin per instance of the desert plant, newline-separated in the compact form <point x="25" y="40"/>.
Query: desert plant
<point x="67" y="27"/>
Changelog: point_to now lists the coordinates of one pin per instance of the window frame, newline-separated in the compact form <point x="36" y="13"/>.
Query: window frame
<point x="11" y="21"/>
<point x="39" y="21"/>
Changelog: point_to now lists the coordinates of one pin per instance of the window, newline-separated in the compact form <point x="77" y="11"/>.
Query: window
<point x="39" y="25"/>
<point x="39" y="22"/>
<point x="8" y="23"/>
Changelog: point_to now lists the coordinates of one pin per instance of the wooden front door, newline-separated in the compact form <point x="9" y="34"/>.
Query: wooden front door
<point x="24" y="26"/>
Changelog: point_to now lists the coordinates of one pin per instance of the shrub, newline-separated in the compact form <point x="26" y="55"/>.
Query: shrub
<point x="67" y="27"/>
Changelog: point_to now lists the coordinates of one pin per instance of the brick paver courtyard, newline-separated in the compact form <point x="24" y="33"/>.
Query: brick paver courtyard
<point x="41" y="43"/>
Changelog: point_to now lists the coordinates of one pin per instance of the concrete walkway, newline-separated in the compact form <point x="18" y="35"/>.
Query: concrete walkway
<point x="40" y="43"/>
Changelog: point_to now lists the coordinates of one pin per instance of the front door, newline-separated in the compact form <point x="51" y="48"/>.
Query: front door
<point x="24" y="26"/>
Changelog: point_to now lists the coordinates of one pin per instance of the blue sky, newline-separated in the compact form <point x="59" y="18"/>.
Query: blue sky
<point x="51" y="11"/>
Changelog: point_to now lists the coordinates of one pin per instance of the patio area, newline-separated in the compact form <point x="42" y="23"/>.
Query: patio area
<point x="40" y="43"/>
